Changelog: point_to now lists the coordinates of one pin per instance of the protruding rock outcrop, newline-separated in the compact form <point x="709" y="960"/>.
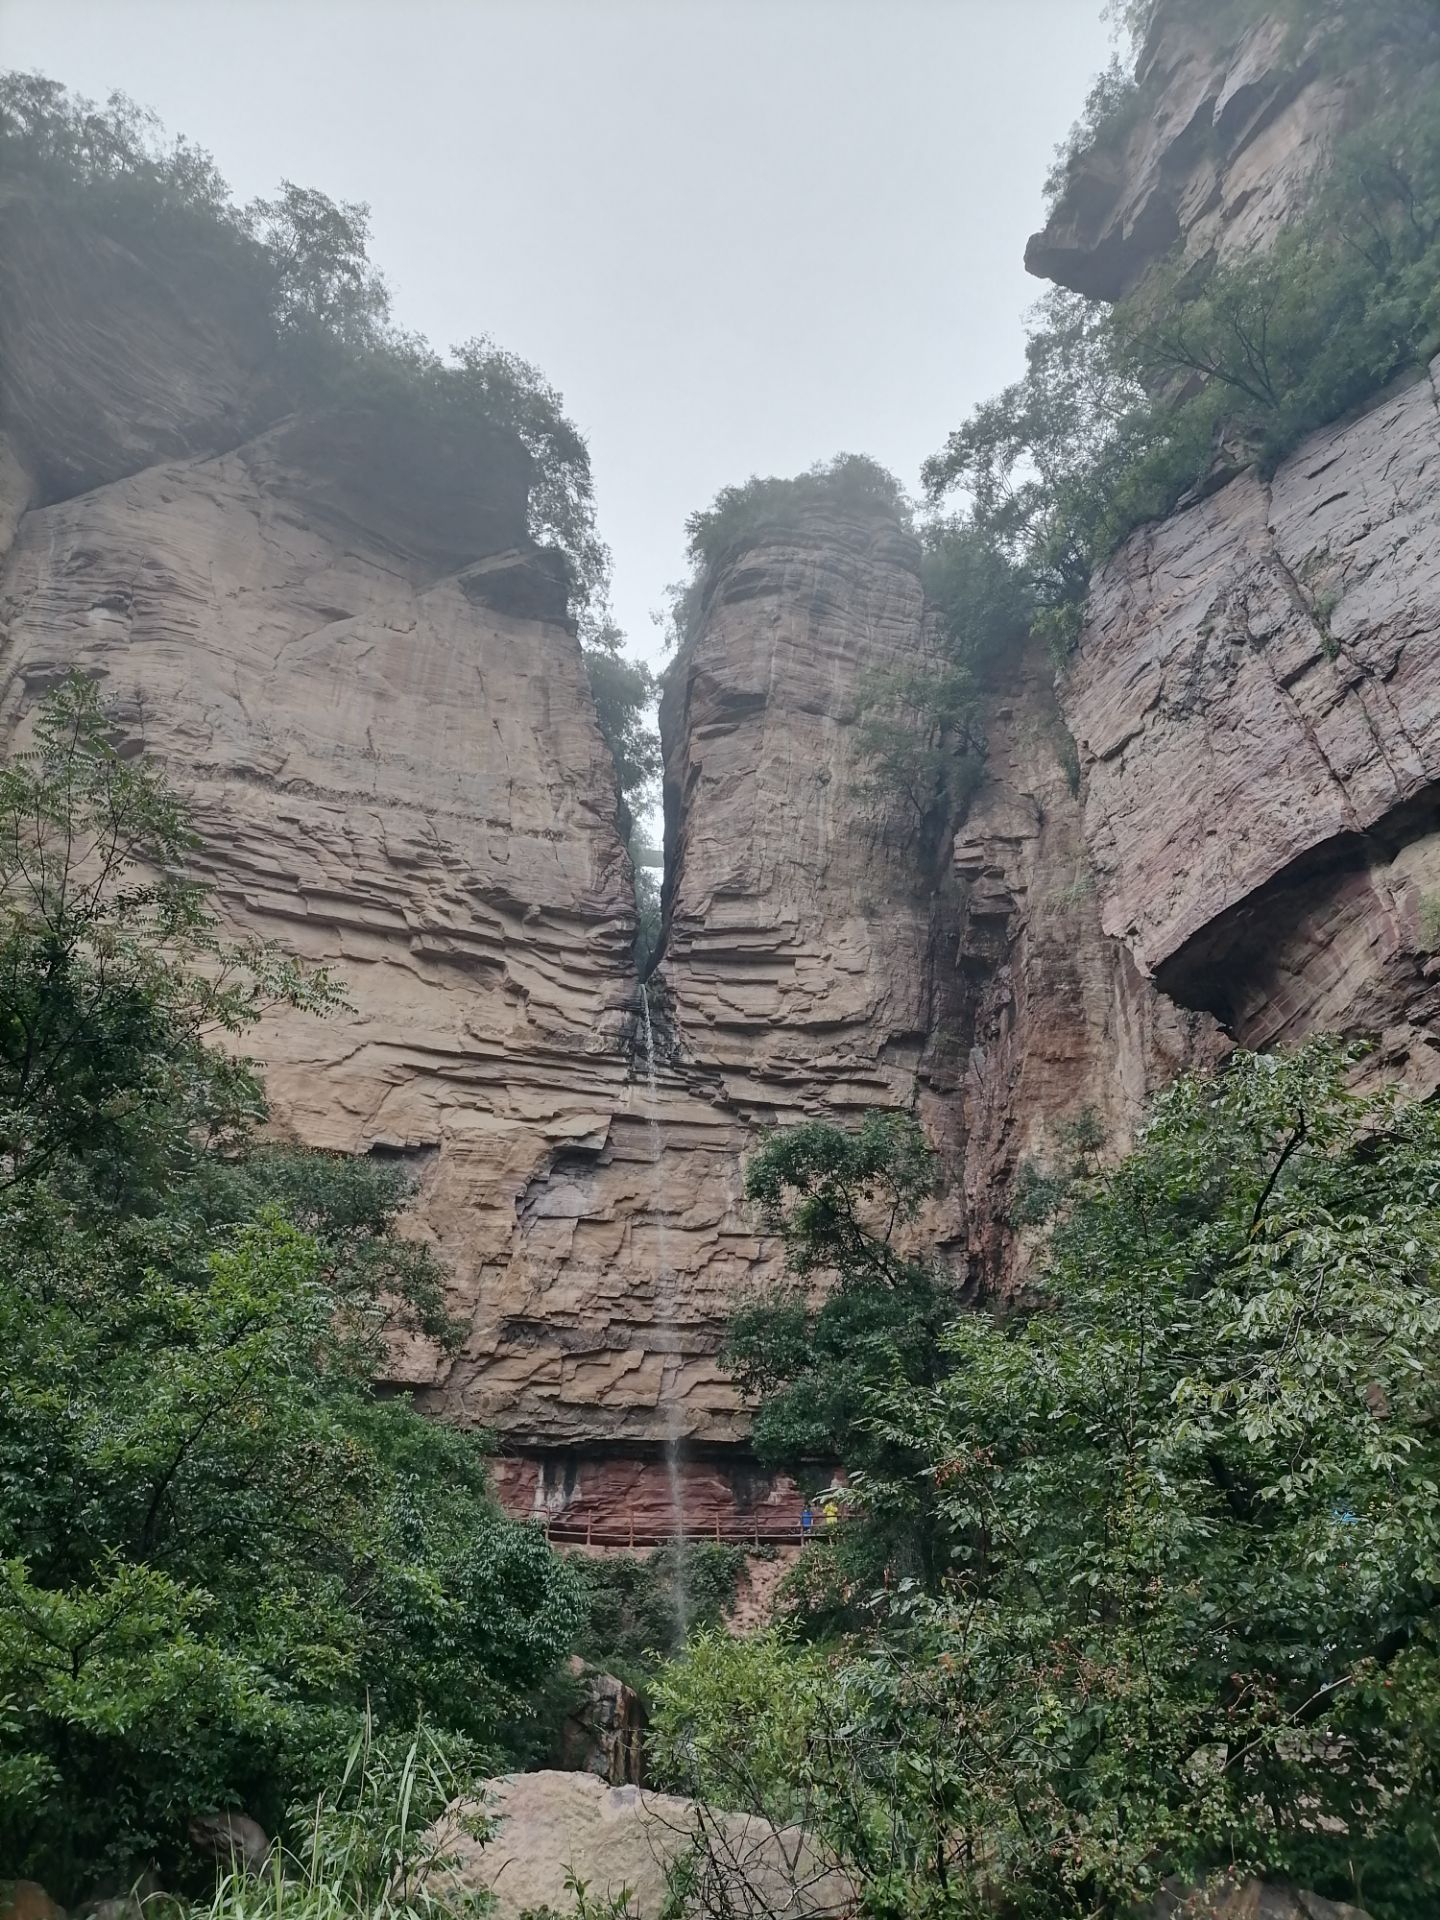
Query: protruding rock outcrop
<point x="1232" y="119"/>
<point x="1255" y="699"/>
<point x="391" y="778"/>
<point x="1257" y="706"/>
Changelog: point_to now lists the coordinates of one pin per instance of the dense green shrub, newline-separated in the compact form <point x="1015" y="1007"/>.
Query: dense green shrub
<point x="921" y="731"/>
<point x="624" y="694"/>
<point x="1186" y="1616"/>
<point x="218" y="1548"/>
<point x="1123" y="413"/>
<point x="379" y="1842"/>
<point x="807" y="1363"/>
<point x="634" y="1607"/>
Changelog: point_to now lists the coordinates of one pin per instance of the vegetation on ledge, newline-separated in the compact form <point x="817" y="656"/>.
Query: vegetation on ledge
<point x="295" y="272"/>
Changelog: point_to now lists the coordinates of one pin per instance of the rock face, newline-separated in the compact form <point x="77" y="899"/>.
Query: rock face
<point x="799" y="977"/>
<point x="1234" y="116"/>
<point x="332" y="628"/>
<point x="1055" y="1027"/>
<point x="605" y="1733"/>
<point x="391" y="777"/>
<point x="119" y="351"/>
<point x="1257" y="706"/>
<point x="553" y="1825"/>
<point x="1255" y="702"/>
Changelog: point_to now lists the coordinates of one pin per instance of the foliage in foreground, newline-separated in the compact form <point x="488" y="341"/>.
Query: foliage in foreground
<point x="809" y="1357"/>
<point x="218" y="1549"/>
<point x="380" y="1843"/>
<point x="1185" y="1611"/>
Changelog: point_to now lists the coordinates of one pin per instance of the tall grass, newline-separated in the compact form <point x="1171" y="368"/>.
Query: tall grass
<point x="378" y="1846"/>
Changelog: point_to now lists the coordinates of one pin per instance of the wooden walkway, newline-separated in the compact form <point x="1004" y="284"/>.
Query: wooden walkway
<point x="568" y="1532"/>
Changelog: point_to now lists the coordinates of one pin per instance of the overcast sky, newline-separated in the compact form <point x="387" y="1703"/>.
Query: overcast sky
<point x="739" y="235"/>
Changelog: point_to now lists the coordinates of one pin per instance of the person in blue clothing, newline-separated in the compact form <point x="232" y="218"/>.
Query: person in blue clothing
<point x="807" y="1521"/>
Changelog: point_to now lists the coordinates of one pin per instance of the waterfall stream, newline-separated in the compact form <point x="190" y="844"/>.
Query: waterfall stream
<point x="667" y="1325"/>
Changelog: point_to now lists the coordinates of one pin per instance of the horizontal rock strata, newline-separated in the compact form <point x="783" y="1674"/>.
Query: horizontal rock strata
<point x="393" y="776"/>
<point x="1233" y="119"/>
<point x="1257" y="705"/>
<point x="796" y="980"/>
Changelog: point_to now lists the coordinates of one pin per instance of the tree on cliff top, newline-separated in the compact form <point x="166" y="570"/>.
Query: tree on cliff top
<point x="302" y="259"/>
<point x="850" y="483"/>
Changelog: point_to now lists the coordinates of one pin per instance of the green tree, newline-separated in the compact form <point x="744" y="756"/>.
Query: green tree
<point x="216" y="1545"/>
<point x="325" y="282"/>
<point x="113" y="978"/>
<point x="296" y="267"/>
<point x="855" y="1315"/>
<point x="849" y="483"/>
<point x="624" y="693"/>
<point x="1187" y="1613"/>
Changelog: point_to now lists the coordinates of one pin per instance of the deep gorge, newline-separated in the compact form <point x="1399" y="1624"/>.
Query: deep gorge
<point x="1212" y="823"/>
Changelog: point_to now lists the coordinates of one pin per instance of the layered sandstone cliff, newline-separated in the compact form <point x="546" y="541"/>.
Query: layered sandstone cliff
<point x="337" y="637"/>
<point x="1257" y="705"/>
<point x="1254" y="699"/>
<point x="1236" y="111"/>
<point x="332" y="628"/>
<point x="798" y="978"/>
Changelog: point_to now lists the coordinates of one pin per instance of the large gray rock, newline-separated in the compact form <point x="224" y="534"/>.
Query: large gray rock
<point x="233" y="1840"/>
<point x="604" y="1734"/>
<point x="551" y="1825"/>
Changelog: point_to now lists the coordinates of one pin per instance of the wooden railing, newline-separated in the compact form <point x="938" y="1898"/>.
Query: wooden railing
<point x="571" y="1530"/>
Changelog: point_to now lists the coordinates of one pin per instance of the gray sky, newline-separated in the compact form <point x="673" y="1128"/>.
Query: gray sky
<point x="739" y="235"/>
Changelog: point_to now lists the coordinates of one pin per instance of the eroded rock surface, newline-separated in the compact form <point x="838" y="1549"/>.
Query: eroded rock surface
<point x="797" y="980"/>
<point x="1233" y="120"/>
<point x="391" y="775"/>
<point x="1056" y="1028"/>
<point x="1257" y="706"/>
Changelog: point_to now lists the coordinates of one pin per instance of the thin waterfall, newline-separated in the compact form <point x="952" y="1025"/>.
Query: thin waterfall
<point x="667" y="1319"/>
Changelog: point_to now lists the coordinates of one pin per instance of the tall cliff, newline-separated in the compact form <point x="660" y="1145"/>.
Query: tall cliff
<point x="1254" y="696"/>
<point x="330" y="625"/>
